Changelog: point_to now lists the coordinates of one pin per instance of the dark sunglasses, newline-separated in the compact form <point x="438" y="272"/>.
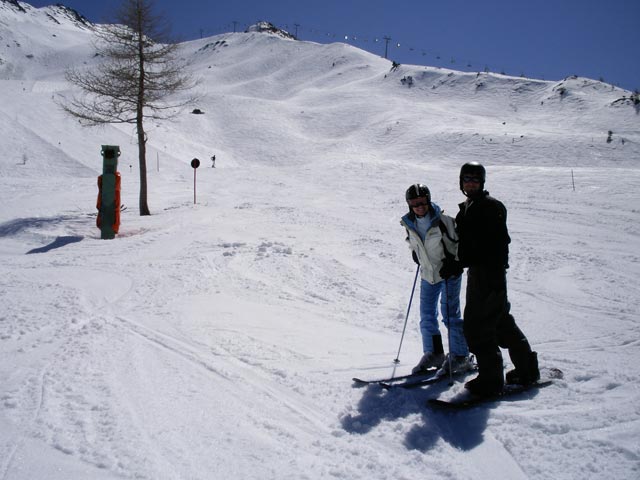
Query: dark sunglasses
<point x="470" y="179"/>
<point x="418" y="204"/>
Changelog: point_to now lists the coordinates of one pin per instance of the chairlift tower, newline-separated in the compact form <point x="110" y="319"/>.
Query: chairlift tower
<point x="386" y="45"/>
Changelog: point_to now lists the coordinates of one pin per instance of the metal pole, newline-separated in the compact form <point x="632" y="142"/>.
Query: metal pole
<point x="446" y="292"/>
<point x="195" y="163"/>
<point x="386" y="45"/>
<point x="397" y="360"/>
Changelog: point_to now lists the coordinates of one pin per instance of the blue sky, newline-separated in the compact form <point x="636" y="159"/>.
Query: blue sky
<point x="546" y="39"/>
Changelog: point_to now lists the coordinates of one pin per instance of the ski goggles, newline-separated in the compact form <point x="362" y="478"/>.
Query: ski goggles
<point x="471" y="179"/>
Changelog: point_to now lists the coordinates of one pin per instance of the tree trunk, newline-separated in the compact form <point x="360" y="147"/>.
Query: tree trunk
<point x="142" y="138"/>
<point x="142" y="157"/>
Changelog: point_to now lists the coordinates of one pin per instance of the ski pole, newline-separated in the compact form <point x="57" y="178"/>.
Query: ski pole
<point x="415" y="280"/>
<point x="446" y="293"/>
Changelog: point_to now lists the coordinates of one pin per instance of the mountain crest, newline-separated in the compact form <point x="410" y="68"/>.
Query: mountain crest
<point x="14" y="4"/>
<point x="58" y="13"/>
<point x="267" y="27"/>
<point x="72" y="14"/>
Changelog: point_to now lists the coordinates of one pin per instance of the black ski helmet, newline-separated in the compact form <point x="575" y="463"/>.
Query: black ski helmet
<point x="417" y="190"/>
<point x="473" y="169"/>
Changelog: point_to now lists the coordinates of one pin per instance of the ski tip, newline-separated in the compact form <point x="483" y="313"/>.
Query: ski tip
<point x="551" y="372"/>
<point x="358" y="382"/>
<point x="447" y="404"/>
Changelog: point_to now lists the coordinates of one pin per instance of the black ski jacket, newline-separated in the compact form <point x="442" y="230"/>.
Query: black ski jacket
<point x="482" y="229"/>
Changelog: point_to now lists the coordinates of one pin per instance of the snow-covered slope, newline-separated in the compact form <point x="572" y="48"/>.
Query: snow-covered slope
<point x="218" y="339"/>
<point x="39" y="42"/>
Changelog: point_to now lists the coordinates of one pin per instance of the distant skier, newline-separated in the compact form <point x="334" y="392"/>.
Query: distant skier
<point x="213" y="162"/>
<point x="432" y="238"/>
<point x="488" y="324"/>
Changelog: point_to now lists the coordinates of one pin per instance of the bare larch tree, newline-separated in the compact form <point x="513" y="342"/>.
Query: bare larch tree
<point x="141" y="71"/>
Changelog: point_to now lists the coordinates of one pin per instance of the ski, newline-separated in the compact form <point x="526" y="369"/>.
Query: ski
<point x="423" y="382"/>
<point x="467" y="400"/>
<point x="421" y="375"/>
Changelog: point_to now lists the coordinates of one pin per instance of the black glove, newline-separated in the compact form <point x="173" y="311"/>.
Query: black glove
<point x="415" y="257"/>
<point x="450" y="268"/>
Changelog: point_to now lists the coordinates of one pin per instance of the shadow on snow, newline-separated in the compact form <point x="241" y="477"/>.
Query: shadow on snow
<point x="462" y="429"/>
<point x="57" y="243"/>
<point x="20" y="225"/>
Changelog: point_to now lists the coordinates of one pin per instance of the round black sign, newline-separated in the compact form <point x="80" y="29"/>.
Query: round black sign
<point x="195" y="163"/>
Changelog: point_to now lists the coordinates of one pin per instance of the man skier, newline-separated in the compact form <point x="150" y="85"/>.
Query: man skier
<point x="488" y="325"/>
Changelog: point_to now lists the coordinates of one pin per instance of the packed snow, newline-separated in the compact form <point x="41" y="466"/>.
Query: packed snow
<point x="218" y="338"/>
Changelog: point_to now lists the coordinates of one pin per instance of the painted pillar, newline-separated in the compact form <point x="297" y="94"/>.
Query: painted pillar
<point x="109" y="193"/>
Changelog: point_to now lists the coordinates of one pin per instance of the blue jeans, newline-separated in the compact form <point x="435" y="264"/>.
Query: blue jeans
<point x="448" y="291"/>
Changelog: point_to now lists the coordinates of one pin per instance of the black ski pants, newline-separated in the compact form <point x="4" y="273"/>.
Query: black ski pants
<point x="488" y="323"/>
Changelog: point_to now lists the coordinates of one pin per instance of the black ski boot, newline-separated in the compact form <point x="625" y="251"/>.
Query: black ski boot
<point x="526" y="371"/>
<point x="490" y="379"/>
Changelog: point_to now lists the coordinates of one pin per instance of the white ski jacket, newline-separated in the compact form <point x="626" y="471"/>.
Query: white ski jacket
<point x="430" y="250"/>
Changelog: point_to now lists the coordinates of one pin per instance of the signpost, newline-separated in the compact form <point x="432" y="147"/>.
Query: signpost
<point x="195" y="163"/>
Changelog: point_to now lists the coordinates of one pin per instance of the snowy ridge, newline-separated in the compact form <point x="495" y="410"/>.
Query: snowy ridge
<point x="46" y="39"/>
<point x="59" y="14"/>
<point x="219" y="339"/>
